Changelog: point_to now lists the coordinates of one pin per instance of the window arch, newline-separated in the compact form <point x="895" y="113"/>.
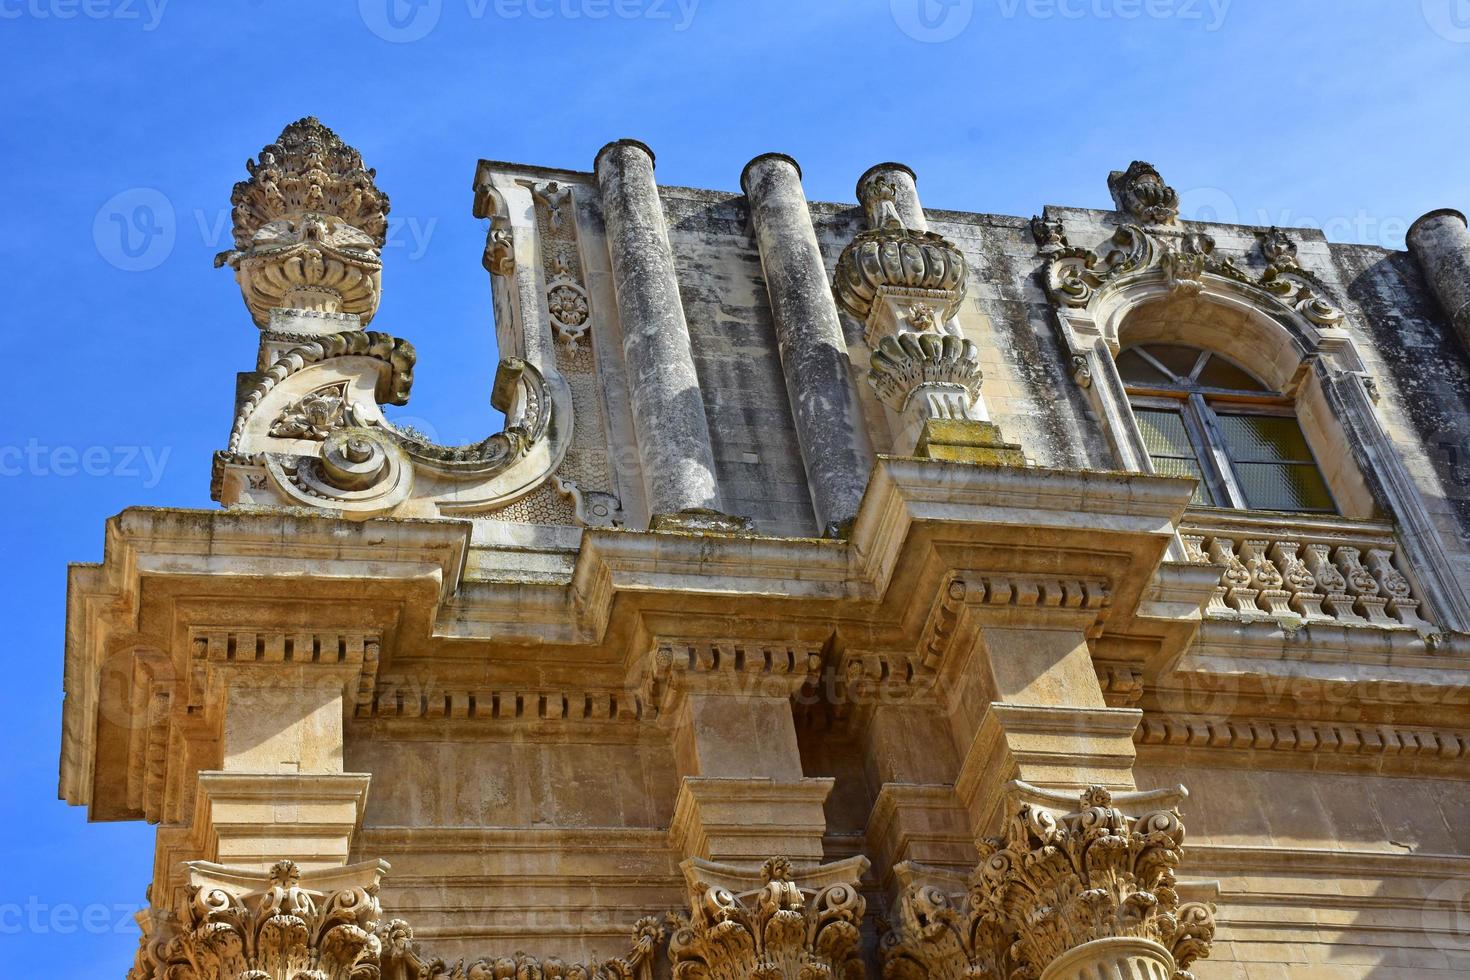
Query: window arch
<point x="1202" y="415"/>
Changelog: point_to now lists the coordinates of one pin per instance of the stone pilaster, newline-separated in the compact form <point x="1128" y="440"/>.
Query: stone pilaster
<point x="1440" y="243"/>
<point x="668" y="408"/>
<point x="809" y="337"/>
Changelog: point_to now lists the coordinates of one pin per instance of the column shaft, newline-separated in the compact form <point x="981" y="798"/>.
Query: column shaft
<point x="1440" y="243"/>
<point x="809" y="337"/>
<point x="668" y="408"/>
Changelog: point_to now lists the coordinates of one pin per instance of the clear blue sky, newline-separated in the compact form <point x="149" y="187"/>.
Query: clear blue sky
<point x="1347" y="114"/>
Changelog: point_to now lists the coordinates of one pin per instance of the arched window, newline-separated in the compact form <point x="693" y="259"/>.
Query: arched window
<point x="1204" y="416"/>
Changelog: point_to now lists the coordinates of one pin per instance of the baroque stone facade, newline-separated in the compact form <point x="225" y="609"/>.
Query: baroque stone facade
<point x="853" y="591"/>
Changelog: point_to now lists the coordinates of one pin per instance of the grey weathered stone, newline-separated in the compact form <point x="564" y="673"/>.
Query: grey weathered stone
<point x="896" y="179"/>
<point x="809" y="336"/>
<point x="1440" y="242"/>
<point x="668" y="411"/>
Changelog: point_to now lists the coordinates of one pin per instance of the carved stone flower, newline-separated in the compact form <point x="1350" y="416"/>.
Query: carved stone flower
<point x="567" y="305"/>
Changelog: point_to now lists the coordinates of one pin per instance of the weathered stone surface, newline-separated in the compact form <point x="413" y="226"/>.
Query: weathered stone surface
<point x="598" y="674"/>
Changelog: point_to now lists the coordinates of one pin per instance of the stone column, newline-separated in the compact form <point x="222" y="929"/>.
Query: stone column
<point x="809" y="336"/>
<point x="668" y="409"/>
<point x="896" y="184"/>
<point x="1440" y="243"/>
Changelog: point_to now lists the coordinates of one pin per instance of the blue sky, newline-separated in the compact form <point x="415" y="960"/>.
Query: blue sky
<point x="125" y="123"/>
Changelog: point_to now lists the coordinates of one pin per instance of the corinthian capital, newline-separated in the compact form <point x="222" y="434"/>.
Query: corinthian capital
<point x="1085" y="893"/>
<point x="781" y="931"/>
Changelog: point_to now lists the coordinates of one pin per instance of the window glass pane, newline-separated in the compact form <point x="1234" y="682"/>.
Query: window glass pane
<point x="1134" y="368"/>
<point x="1284" y="486"/>
<point x="1170" y="466"/>
<point x="1168" y="445"/>
<point x="1176" y="357"/>
<point x="1220" y="373"/>
<point x="1163" y="432"/>
<point x="1264" y="438"/>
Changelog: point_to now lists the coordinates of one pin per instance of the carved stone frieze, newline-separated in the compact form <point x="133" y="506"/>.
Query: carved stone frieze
<point x="783" y="931"/>
<point x="309" y="227"/>
<point x="1058" y="891"/>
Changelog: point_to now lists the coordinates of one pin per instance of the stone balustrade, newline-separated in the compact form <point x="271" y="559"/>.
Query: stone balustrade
<point x="1306" y="569"/>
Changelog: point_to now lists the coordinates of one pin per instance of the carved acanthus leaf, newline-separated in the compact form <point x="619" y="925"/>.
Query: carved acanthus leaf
<point x="781" y="932"/>
<point x="1053" y="883"/>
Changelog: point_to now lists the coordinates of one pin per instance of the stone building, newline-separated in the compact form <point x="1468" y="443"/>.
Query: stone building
<point x="854" y="591"/>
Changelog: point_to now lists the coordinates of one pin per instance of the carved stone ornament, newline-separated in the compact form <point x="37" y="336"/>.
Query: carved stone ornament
<point x="235" y="926"/>
<point x="896" y="266"/>
<point x="1087" y="893"/>
<point x="1075" y="276"/>
<point x="1049" y="234"/>
<point x="782" y="932"/>
<point x="309" y="227"/>
<point x="1140" y="192"/>
<point x="315" y="414"/>
<point x="939" y="366"/>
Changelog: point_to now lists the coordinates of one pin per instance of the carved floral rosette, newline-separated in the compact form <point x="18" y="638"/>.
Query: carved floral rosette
<point x="782" y="932"/>
<point x="309" y="227"/>
<point x="1050" y="885"/>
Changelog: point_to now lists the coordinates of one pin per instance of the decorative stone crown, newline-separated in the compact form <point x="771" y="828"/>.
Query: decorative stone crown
<point x="897" y="260"/>
<point x="309" y="225"/>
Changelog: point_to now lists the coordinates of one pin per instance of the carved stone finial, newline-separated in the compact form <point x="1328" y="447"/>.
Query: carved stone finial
<point x="1059" y="895"/>
<point x="1141" y="193"/>
<point x="888" y="272"/>
<point x="1279" y="250"/>
<point x="1050" y="236"/>
<point x="309" y="226"/>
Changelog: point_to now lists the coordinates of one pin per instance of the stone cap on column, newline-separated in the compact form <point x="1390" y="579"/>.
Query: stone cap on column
<point x="636" y="144"/>
<point x="745" y="173"/>
<point x="1436" y="213"/>
<point x="878" y="168"/>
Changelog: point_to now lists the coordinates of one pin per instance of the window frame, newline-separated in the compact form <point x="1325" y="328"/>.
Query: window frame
<point x="1199" y="407"/>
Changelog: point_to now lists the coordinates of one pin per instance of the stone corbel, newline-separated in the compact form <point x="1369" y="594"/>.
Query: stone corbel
<point x="1064" y="893"/>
